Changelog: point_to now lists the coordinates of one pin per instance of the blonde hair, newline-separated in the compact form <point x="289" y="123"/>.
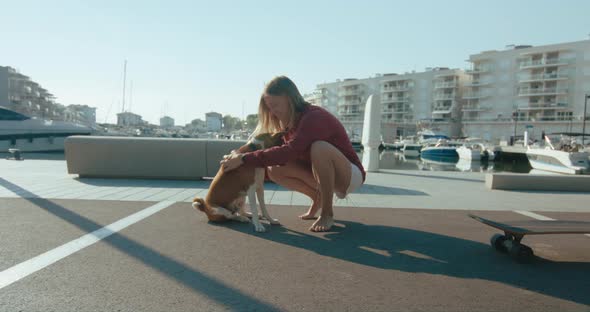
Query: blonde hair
<point x="280" y="85"/>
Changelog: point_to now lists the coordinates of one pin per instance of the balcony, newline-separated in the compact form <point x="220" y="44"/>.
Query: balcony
<point x="350" y="102"/>
<point x="395" y="99"/>
<point x="349" y="113"/>
<point x="476" y="83"/>
<point x="544" y="77"/>
<point x="350" y="92"/>
<point x="475" y="108"/>
<point x="543" y="63"/>
<point x="478" y="70"/>
<point x="444" y="96"/>
<point x="543" y="106"/>
<point x="475" y="95"/>
<point x="541" y="91"/>
<point x="395" y="88"/>
<point x="443" y="85"/>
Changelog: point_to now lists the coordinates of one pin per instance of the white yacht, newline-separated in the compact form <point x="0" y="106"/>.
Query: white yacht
<point x="27" y="134"/>
<point x="411" y="149"/>
<point x="567" y="159"/>
<point x="475" y="151"/>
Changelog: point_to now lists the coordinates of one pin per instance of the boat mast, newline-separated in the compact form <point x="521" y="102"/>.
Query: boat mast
<point x="124" y="78"/>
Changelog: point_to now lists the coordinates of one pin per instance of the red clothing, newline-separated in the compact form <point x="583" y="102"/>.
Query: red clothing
<point x="314" y="124"/>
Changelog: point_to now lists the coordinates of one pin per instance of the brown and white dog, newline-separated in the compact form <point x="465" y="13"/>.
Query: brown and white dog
<point x="226" y="197"/>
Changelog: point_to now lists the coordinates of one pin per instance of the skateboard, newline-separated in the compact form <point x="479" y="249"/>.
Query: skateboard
<point x="514" y="231"/>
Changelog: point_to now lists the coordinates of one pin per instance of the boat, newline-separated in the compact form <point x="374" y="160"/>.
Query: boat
<point x="469" y="152"/>
<point x="565" y="158"/>
<point x="475" y="150"/>
<point x="411" y="149"/>
<point x="30" y="134"/>
<point x="440" y="149"/>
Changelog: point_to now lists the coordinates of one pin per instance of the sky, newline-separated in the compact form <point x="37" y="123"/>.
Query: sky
<point x="187" y="58"/>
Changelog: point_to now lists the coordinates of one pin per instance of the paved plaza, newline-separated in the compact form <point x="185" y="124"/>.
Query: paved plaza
<point x="403" y="242"/>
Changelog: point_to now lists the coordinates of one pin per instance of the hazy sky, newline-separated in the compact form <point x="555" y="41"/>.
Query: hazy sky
<point x="186" y="58"/>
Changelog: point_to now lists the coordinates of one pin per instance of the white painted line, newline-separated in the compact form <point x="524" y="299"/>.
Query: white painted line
<point x="534" y="215"/>
<point x="39" y="262"/>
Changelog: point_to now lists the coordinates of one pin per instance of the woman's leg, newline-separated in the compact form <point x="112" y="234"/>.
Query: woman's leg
<point x="332" y="171"/>
<point x="297" y="177"/>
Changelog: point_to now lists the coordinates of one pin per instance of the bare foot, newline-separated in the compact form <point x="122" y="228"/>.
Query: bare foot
<point x="322" y="224"/>
<point x="310" y="214"/>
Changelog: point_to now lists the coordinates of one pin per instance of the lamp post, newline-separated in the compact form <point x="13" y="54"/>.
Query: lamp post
<point x="515" y="115"/>
<point x="586" y="97"/>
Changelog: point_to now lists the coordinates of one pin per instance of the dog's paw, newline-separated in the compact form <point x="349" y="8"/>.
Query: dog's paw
<point x="259" y="227"/>
<point x="274" y="221"/>
<point x="242" y="219"/>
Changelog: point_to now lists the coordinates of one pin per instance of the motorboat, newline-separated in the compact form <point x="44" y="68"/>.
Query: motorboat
<point x="440" y="149"/>
<point x="29" y="134"/>
<point x="475" y="151"/>
<point x="565" y="158"/>
<point x="411" y="149"/>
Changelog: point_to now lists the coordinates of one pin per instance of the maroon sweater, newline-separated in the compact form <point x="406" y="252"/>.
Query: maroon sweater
<point x="314" y="124"/>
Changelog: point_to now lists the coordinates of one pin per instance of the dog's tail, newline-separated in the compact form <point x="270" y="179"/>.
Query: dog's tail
<point x="199" y="203"/>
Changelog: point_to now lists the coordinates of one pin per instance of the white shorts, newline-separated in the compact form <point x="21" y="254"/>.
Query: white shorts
<point x="356" y="180"/>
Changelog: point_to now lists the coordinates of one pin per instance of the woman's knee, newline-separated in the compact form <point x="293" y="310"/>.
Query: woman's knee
<point x="318" y="148"/>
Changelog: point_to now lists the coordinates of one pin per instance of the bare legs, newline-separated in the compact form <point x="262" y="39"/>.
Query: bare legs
<point x="330" y="172"/>
<point x="297" y="177"/>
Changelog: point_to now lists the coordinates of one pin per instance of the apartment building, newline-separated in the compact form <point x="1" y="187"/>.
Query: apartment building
<point x="503" y="92"/>
<point x="19" y="93"/>
<point x="166" y="122"/>
<point x="82" y="114"/>
<point x="527" y="88"/>
<point x="129" y="119"/>
<point x="409" y="101"/>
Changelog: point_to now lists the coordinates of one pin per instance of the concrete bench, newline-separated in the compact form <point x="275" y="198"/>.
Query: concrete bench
<point x="152" y="158"/>
<point x="538" y="182"/>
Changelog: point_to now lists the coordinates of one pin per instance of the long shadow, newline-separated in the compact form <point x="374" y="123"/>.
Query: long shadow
<point x="408" y="250"/>
<point x="432" y="177"/>
<point x="225" y="295"/>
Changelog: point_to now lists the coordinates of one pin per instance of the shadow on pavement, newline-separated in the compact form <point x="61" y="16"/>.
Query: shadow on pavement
<point x="231" y="298"/>
<point x="408" y="250"/>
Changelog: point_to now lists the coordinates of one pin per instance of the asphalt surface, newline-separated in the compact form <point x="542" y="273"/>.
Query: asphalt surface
<point x="375" y="259"/>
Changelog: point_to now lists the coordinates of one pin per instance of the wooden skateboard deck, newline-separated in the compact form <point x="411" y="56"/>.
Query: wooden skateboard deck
<point x="514" y="231"/>
<point x="532" y="227"/>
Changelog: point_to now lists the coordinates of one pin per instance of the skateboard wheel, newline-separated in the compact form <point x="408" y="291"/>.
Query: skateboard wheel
<point x="521" y="253"/>
<point x="497" y="241"/>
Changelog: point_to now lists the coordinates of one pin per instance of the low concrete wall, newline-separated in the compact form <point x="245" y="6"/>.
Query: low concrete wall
<point x="538" y="182"/>
<point x="132" y="157"/>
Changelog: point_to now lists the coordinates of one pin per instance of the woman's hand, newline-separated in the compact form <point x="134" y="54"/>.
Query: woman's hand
<point x="231" y="161"/>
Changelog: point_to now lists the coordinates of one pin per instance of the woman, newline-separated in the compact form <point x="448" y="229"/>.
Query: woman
<point x="317" y="158"/>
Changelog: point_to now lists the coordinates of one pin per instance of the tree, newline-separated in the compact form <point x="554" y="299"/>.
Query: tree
<point x="252" y="121"/>
<point x="231" y="123"/>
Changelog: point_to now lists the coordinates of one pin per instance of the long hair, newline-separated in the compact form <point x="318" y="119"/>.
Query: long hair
<point x="280" y="85"/>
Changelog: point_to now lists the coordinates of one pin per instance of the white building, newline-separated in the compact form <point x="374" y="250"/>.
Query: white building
<point x="18" y="92"/>
<point x="544" y="86"/>
<point x="82" y="114"/>
<point x="166" y="122"/>
<point x="429" y="99"/>
<point x="129" y="119"/>
<point x="214" y="121"/>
